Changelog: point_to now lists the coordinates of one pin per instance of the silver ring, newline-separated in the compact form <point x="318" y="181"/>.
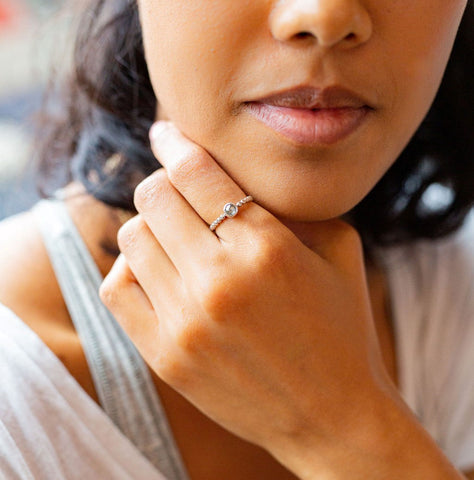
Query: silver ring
<point x="230" y="211"/>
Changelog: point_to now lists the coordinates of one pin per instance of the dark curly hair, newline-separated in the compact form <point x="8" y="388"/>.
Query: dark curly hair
<point x="98" y="134"/>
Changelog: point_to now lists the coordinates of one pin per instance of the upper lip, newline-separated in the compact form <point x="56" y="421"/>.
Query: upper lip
<point x="307" y="97"/>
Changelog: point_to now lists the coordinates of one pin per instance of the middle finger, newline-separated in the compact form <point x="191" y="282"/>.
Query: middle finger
<point x="183" y="235"/>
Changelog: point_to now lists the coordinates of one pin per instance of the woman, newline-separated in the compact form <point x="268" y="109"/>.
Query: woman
<point x="278" y="349"/>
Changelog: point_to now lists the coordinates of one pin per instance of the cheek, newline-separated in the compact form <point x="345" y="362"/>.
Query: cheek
<point x="419" y="45"/>
<point x="172" y="54"/>
<point x="193" y="51"/>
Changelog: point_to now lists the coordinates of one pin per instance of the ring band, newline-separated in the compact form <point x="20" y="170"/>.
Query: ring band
<point x="230" y="211"/>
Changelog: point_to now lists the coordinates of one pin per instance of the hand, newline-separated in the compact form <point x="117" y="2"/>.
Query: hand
<point x="267" y="332"/>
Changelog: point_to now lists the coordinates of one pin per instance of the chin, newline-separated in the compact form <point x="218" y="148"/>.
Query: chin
<point x="315" y="211"/>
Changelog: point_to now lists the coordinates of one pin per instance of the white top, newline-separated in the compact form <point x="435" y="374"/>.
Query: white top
<point x="51" y="429"/>
<point x="432" y="290"/>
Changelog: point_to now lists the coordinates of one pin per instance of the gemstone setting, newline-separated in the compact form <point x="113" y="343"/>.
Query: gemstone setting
<point x="230" y="210"/>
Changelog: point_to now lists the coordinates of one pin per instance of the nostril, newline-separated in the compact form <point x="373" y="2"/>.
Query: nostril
<point x="327" y="23"/>
<point x="350" y="37"/>
<point x="304" y="35"/>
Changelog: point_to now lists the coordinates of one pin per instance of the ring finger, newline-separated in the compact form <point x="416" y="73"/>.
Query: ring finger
<point x="204" y="184"/>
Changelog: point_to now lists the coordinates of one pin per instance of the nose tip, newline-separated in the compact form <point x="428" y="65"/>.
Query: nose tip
<point x="328" y="22"/>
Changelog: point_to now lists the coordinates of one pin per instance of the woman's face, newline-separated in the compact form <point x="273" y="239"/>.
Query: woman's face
<point x="305" y="103"/>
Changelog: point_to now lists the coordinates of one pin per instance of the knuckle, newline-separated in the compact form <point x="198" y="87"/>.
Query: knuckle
<point x="129" y="233"/>
<point x="213" y="297"/>
<point x="349" y="235"/>
<point x="168" y="368"/>
<point x="342" y="233"/>
<point x="172" y="366"/>
<point x="193" y="338"/>
<point x="350" y="251"/>
<point x="125" y="237"/>
<point x="151" y="190"/>
<point x="109" y="292"/>
<point x="106" y="293"/>
<point x="228" y="287"/>
<point x="193" y="162"/>
<point x="219" y="262"/>
<point x="270" y="252"/>
<point x="217" y="296"/>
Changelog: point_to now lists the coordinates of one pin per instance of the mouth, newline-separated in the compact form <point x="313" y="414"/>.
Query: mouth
<point x="311" y="116"/>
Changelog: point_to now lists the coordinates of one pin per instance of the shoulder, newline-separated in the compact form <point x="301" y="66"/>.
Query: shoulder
<point x="28" y="285"/>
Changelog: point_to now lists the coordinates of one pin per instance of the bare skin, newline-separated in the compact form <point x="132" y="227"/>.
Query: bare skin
<point x="218" y="300"/>
<point x="237" y="458"/>
<point x="190" y="309"/>
<point x="331" y="48"/>
<point x="32" y="297"/>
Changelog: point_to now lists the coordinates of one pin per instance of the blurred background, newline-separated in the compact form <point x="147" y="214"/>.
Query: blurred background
<point x="30" y="33"/>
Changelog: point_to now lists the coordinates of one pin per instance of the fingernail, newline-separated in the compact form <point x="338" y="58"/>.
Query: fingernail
<point x="156" y="130"/>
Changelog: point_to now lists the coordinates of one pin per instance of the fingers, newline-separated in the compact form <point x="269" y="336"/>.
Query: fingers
<point x="129" y="304"/>
<point x="183" y="235"/>
<point x="201" y="181"/>
<point x="148" y="262"/>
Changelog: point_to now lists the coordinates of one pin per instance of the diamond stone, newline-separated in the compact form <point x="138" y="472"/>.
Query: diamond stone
<point x="230" y="210"/>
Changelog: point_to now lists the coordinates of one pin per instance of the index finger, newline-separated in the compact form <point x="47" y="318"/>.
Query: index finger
<point x="200" y="179"/>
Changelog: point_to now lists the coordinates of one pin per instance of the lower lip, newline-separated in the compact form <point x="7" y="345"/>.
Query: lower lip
<point x="310" y="127"/>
